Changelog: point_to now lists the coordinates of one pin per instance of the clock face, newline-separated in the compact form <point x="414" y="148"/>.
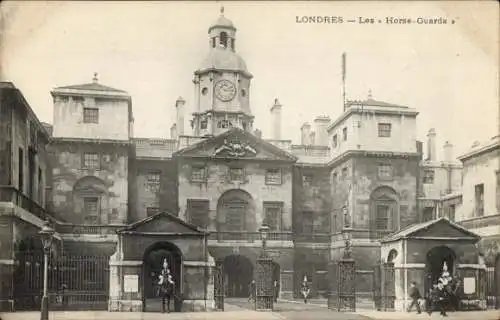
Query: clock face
<point x="225" y="90"/>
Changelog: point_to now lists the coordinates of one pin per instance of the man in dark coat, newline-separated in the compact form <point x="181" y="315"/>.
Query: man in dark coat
<point x="415" y="297"/>
<point x="276" y="290"/>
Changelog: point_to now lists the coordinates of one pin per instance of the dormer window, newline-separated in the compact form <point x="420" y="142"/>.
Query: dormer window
<point x="224" y="124"/>
<point x="223" y="39"/>
<point x="203" y="124"/>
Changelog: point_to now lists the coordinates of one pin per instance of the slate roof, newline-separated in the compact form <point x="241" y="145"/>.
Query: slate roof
<point x="412" y="230"/>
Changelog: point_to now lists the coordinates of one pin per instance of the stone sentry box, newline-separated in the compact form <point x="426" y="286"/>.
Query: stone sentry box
<point x="419" y="252"/>
<point x="191" y="265"/>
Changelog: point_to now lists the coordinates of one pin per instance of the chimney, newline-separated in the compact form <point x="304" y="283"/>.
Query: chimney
<point x="431" y="145"/>
<point x="173" y="131"/>
<point x="179" y="106"/>
<point x="276" y="120"/>
<point x="448" y="152"/>
<point x="312" y="137"/>
<point x="258" y="133"/>
<point x="305" y="134"/>
<point x="321" y="126"/>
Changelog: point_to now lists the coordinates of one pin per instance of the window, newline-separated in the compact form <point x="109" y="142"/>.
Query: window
<point x="20" y="161"/>
<point x="451" y="213"/>
<point x="223" y="39"/>
<point x="77" y="99"/>
<point x="198" y="173"/>
<point x="335" y="142"/>
<point x="151" y="211"/>
<point x="307" y="180"/>
<point x="383" y="217"/>
<point x="384" y="130"/>
<point x="91" y="209"/>
<point x="91" y="161"/>
<point x="153" y="181"/>
<point x="273" y="213"/>
<point x="344" y="173"/>
<point x="224" y="124"/>
<point x="213" y="42"/>
<point x="237" y="174"/>
<point x="203" y="124"/>
<point x="204" y="91"/>
<point x="307" y="223"/>
<point x="232" y="44"/>
<point x="334" y="177"/>
<point x="90" y="115"/>
<point x="429" y="176"/>
<point x="479" y="195"/>
<point x="385" y="171"/>
<point x="198" y="212"/>
<point x="273" y="176"/>
<point x="428" y="214"/>
<point x="344" y="134"/>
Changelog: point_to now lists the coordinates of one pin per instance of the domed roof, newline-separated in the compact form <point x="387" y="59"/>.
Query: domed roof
<point x="222" y="22"/>
<point x="223" y="59"/>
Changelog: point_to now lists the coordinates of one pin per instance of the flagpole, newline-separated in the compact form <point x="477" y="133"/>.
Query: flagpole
<point x="343" y="80"/>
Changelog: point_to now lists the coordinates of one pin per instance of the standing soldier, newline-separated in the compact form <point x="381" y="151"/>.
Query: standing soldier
<point x="251" y="288"/>
<point x="415" y="297"/>
<point x="305" y="289"/>
<point x="276" y="290"/>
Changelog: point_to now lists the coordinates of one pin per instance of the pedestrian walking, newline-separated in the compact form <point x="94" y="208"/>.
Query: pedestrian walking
<point x="251" y="289"/>
<point x="276" y="290"/>
<point x="415" y="297"/>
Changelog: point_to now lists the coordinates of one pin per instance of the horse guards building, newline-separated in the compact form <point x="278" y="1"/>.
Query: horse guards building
<point x="120" y="204"/>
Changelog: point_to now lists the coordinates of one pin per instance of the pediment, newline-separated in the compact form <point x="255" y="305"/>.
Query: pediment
<point x="437" y="229"/>
<point x="162" y="223"/>
<point x="236" y="144"/>
<point x="443" y="229"/>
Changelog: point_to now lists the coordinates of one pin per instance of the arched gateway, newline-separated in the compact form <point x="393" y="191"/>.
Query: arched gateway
<point x="136" y="265"/>
<point x="154" y="256"/>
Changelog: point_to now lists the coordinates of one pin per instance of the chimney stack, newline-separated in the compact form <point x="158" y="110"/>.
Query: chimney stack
<point x="173" y="131"/>
<point x="276" y="120"/>
<point x="179" y="106"/>
<point x="321" y="126"/>
<point x="258" y="133"/>
<point x="312" y="138"/>
<point x="305" y="134"/>
<point x="448" y="152"/>
<point x="431" y="145"/>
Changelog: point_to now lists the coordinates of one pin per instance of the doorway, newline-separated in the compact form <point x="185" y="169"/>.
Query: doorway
<point x="238" y="273"/>
<point x="436" y="257"/>
<point x="152" y="267"/>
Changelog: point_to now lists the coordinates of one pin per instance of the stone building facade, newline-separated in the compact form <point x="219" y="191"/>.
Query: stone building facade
<point x="199" y="197"/>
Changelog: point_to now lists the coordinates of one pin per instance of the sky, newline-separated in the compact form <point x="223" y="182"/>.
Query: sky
<point x="448" y="73"/>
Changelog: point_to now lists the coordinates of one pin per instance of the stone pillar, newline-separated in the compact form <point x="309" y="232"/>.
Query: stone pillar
<point x="114" y="282"/>
<point x="431" y="145"/>
<point x="276" y="120"/>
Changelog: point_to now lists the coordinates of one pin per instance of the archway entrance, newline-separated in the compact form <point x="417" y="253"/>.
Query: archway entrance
<point x="152" y="266"/>
<point x="436" y="257"/>
<point x="238" y="273"/>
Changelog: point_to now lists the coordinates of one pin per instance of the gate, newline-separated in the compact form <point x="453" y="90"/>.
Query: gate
<point x="342" y="278"/>
<point x="74" y="282"/>
<point x="219" y="285"/>
<point x="384" y="294"/>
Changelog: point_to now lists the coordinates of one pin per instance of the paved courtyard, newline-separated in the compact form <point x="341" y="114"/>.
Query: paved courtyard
<point x="240" y="309"/>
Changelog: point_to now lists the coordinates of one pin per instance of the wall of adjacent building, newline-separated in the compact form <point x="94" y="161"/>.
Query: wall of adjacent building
<point x="218" y="182"/>
<point x="479" y="170"/>
<point x="113" y="118"/>
<point x="111" y="178"/>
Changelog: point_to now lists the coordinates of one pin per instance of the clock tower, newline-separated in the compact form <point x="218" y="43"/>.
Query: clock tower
<point x="222" y="84"/>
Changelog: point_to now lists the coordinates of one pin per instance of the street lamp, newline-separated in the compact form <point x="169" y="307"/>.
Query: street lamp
<point x="264" y="231"/>
<point x="46" y="234"/>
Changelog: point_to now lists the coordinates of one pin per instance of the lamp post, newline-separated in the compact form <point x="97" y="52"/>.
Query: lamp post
<point x="263" y="276"/>
<point x="46" y="234"/>
<point x="264" y="231"/>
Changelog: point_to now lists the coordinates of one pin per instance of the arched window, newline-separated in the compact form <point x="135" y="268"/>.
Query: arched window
<point x="90" y="199"/>
<point x="384" y="211"/>
<point x="223" y="39"/>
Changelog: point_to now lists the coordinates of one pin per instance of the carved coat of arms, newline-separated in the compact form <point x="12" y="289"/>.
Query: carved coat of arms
<point x="235" y="149"/>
